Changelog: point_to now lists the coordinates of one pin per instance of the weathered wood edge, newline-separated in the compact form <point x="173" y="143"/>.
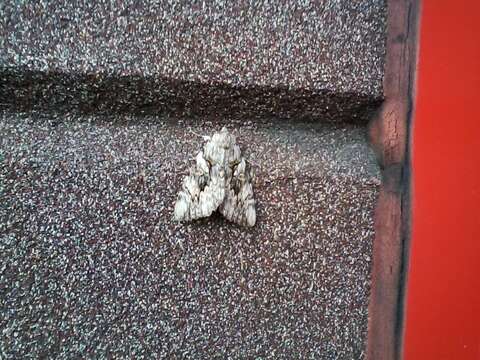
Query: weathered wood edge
<point x="390" y="136"/>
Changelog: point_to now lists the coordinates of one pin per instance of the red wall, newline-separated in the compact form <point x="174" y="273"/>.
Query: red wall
<point x="443" y="294"/>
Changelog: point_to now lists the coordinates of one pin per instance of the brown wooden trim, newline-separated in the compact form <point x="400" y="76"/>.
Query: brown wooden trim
<point x="389" y="133"/>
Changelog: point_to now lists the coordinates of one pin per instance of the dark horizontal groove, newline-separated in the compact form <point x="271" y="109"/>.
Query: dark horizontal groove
<point x="59" y="92"/>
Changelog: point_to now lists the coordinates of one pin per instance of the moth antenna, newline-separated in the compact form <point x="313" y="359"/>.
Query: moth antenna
<point x="204" y="137"/>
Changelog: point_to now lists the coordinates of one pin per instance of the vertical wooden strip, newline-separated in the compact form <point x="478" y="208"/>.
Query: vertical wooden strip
<point x="389" y="132"/>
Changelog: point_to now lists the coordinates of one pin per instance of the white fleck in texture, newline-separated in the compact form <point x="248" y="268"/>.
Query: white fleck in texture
<point x="220" y="180"/>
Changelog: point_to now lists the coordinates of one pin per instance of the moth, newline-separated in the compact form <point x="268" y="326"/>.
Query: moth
<point x="221" y="179"/>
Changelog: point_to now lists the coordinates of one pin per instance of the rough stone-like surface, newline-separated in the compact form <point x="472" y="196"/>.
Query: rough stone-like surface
<point x="288" y="58"/>
<point x="92" y="264"/>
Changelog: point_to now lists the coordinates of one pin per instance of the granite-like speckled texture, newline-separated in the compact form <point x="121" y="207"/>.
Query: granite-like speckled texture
<point x="289" y="58"/>
<point x="92" y="265"/>
<point x="333" y="45"/>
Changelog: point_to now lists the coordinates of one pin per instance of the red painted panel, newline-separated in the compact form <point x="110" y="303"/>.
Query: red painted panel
<point x="443" y="295"/>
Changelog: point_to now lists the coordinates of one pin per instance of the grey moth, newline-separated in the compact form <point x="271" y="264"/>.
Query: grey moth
<point x="221" y="179"/>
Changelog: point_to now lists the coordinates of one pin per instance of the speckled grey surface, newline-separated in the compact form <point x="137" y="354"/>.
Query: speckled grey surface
<point x="289" y="58"/>
<point x="92" y="264"/>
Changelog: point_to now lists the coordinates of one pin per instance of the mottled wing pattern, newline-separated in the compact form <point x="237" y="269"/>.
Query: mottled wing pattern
<point x="239" y="203"/>
<point x="220" y="180"/>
